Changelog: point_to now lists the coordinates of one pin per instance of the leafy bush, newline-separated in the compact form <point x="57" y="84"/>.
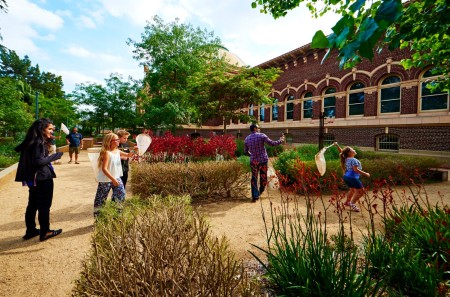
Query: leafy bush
<point x="160" y="248"/>
<point x="302" y="261"/>
<point x="185" y="148"/>
<point x="198" y="179"/>
<point x="8" y="156"/>
<point x="398" y="169"/>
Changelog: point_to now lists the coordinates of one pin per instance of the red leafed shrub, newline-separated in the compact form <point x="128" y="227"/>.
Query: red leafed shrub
<point x="183" y="148"/>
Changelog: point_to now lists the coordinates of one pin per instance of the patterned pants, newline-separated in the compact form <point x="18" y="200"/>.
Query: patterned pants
<point x="118" y="194"/>
<point x="261" y="169"/>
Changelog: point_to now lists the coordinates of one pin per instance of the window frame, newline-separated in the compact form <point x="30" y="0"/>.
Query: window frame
<point x="304" y="100"/>
<point x="287" y="104"/>
<point x="388" y="135"/>
<point x="390" y="86"/>
<point x="423" y="79"/>
<point x="262" y="113"/>
<point x="274" y="107"/>
<point x="351" y="92"/>
<point x="329" y="96"/>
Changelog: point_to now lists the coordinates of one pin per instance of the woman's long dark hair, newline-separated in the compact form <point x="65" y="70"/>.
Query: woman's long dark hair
<point x="34" y="135"/>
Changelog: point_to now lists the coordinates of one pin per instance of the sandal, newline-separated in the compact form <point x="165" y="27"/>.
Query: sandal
<point x="29" y="235"/>
<point x="77" y="163"/>
<point x="50" y="234"/>
<point x="354" y="207"/>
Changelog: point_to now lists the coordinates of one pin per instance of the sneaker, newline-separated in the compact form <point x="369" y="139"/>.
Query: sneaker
<point x="347" y="203"/>
<point x="354" y="207"/>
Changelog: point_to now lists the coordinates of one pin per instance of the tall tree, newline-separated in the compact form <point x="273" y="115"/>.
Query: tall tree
<point x="15" y="115"/>
<point x="110" y="106"/>
<point x="423" y="26"/>
<point x="171" y="53"/>
<point x="222" y="90"/>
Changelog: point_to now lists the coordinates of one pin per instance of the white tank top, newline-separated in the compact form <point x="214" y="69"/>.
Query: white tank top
<point x="114" y="167"/>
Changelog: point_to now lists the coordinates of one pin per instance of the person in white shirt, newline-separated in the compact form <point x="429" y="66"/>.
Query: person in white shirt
<point x="110" y="172"/>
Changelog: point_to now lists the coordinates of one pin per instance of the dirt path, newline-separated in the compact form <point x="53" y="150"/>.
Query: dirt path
<point x="33" y="268"/>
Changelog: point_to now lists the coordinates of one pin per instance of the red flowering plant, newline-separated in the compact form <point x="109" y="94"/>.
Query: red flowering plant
<point x="170" y="148"/>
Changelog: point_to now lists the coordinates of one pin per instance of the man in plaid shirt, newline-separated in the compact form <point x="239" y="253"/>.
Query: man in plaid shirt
<point x="254" y="146"/>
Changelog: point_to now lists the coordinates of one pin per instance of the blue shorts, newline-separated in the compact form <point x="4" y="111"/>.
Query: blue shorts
<point x="352" y="182"/>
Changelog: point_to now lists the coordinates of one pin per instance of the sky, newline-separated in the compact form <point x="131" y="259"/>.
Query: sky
<point x="84" y="41"/>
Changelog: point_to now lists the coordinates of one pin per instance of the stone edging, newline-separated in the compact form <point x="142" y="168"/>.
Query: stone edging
<point x="8" y="174"/>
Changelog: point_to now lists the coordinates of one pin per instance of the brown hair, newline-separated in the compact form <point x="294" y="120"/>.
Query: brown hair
<point x="106" y="147"/>
<point x="121" y="133"/>
<point x="344" y="155"/>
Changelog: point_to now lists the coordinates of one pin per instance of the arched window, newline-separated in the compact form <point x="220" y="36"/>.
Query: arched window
<point x="275" y="110"/>
<point x="387" y="142"/>
<point x="329" y="103"/>
<point x="250" y="110"/>
<point x="290" y="107"/>
<point x="437" y="100"/>
<point x="356" y="99"/>
<point x="307" y="106"/>
<point x="261" y="113"/>
<point x="390" y="95"/>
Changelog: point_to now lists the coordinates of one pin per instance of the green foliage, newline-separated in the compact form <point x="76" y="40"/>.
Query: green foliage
<point x="221" y="90"/>
<point x="240" y="147"/>
<point x="8" y="155"/>
<point x="159" y="247"/>
<point x="425" y="229"/>
<point x="110" y="106"/>
<point x="366" y="27"/>
<point x="199" y="179"/>
<point x="401" y="267"/>
<point x="301" y="261"/>
<point x="245" y="162"/>
<point x="15" y="115"/>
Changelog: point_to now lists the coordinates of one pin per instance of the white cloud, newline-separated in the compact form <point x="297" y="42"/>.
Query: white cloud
<point x="18" y="26"/>
<point x="71" y="78"/>
<point x="137" y="11"/>
<point x="86" y="22"/>
<point x="78" y="51"/>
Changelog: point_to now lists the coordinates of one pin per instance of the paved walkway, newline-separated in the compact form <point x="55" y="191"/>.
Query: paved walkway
<point x="34" y="268"/>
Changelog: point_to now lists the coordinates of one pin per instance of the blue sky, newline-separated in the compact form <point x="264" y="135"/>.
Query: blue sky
<point x="85" y="40"/>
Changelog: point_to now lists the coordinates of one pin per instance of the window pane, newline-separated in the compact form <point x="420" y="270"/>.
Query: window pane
<point x="391" y="80"/>
<point x="329" y="112"/>
<point x="356" y="109"/>
<point x="261" y="113"/>
<point x="390" y="93"/>
<point x="275" y="110"/>
<point x="435" y="102"/>
<point x="330" y="91"/>
<point x="329" y="101"/>
<point x="388" y="142"/>
<point x="290" y="111"/>
<point x="356" y="98"/>
<point x="250" y="110"/>
<point x="357" y="86"/>
<point x="390" y="106"/>
<point x="307" y="113"/>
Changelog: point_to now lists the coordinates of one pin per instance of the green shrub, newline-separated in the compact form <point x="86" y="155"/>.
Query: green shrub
<point x="302" y="261"/>
<point x="198" y="179"/>
<point x="8" y="156"/>
<point x="401" y="268"/>
<point x="159" y="247"/>
<point x="239" y="148"/>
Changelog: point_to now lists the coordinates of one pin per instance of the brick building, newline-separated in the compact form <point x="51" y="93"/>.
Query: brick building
<point x="377" y="105"/>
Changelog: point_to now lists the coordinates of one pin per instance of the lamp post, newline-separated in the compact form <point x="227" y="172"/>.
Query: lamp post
<point x="321" y="129"/>
<point x="37" y="105"/>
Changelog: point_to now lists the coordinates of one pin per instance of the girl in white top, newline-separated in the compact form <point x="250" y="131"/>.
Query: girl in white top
<point x="110" y="173"/>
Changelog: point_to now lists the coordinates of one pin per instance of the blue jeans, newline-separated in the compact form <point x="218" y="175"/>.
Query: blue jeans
<point x="261" y="168"/>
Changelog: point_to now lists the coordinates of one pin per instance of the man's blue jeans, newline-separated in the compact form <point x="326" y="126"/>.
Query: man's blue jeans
<point x="261" y="168"/>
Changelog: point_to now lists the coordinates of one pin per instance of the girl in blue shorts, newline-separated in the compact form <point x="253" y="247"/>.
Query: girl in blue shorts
<point x="352" y="170"/>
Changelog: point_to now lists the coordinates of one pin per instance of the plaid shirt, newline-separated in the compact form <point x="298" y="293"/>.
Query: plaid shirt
<point x="254" y="145"/>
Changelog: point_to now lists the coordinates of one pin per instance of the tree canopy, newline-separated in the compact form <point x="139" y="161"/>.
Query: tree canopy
<point x="369" y="26"/>
<point x="185" y="73"/>
<point x="110" y="106"/>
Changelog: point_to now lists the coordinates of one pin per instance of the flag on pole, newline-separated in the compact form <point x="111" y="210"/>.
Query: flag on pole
<point x="64" y="129"/>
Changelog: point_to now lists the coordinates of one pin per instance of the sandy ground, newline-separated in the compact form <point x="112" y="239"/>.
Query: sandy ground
<point x="34" y="268"/>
